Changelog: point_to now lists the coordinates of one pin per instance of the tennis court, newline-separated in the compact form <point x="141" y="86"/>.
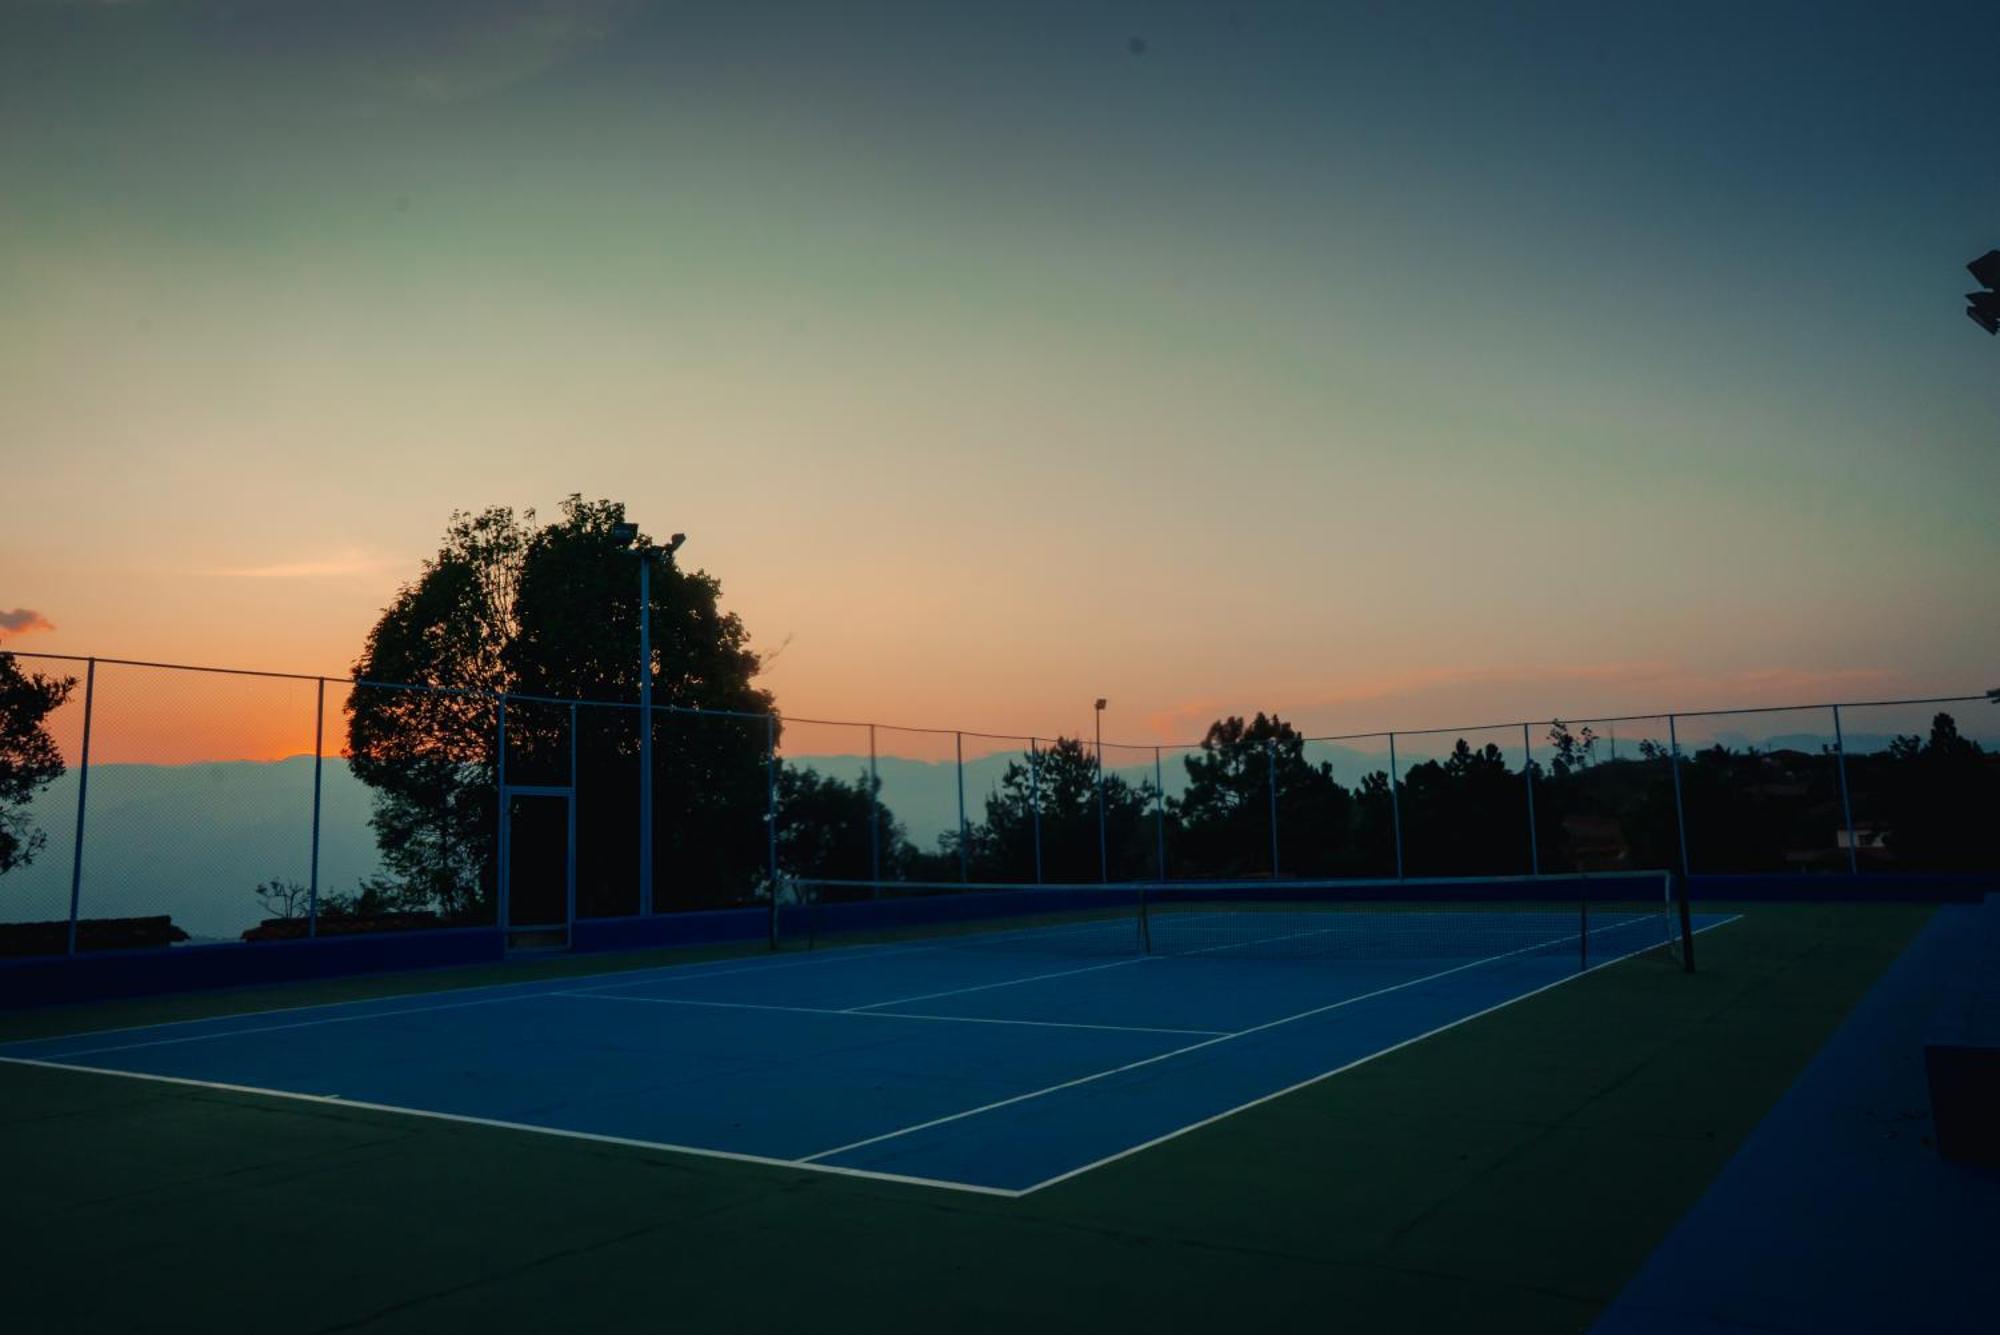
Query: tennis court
<point x="997" y="1055"/>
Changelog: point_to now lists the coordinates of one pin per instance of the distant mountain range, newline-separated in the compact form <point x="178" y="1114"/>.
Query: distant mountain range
<point x="193" y="840"/>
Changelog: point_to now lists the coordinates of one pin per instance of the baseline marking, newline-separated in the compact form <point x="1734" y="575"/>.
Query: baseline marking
<point x="334" y="1100"/>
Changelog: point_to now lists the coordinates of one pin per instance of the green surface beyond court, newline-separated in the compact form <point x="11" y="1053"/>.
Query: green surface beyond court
<point x="1509" y="1174"/>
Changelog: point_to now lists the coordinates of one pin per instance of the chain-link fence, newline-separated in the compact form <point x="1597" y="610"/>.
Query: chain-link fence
<point x="183" y="805"/>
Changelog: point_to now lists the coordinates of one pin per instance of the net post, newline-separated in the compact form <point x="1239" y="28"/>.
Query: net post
<point x="1271" y="784"/>
<point x="82" y="800"/>
<point x="1677" y="887"/>
<point x="1145" y="922"/>
<point x="319" y="754"/>
<point x="771" y="815"/>
<point x="1846" y="807"/>
<point x="1395" y="808"/>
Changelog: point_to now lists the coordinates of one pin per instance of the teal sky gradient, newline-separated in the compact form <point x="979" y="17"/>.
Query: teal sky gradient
<point x="1372" y="367"/>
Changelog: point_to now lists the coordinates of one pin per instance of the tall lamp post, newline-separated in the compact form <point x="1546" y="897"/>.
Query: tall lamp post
<point x="1103" y="852"/>
<point x="628" y="535"/>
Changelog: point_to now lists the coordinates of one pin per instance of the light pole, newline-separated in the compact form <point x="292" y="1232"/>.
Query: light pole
<point x="628" y="535"/>
<point x="1103" y="852"/>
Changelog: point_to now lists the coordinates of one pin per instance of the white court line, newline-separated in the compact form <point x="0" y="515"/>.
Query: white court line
<point x="1178" y="1132"/>
<point x="886" y="1015"/>
<point x="1368" y="931"/>
<point x="296" y="1024"/>
<point x="834" y="955"/>
<point x="802" y="1164"/>
<point x="335" y="1101"/>
<point x="633" y="977"/>
<point x="1175" y="1052"/>
<point x="1010" y="982"/>
<point x="533" y="989"/>
<point x="529" y="988"/>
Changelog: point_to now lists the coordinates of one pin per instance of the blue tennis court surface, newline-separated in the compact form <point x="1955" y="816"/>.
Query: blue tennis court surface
<point x="986" y="1070"/>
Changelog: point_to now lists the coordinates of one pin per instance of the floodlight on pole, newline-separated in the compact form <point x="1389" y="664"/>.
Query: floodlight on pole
<point x="627" y="535"/>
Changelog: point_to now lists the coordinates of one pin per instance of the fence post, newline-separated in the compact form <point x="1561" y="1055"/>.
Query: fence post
<point x="1035" y="799"/>
<point x="771" y="814"/>
<point x="874" y="821"/>
<point x="1271" y="786"/>
<point x="1103" y="842"/>
<point x="503" y="874"/>
<point x="1395" y="807"/>
<point x="82" y="803"/>
<point x="645" y="734"/>
<point x="569" y="863"/>
<point x="1846" y="807"/>
<point x="1528" y="777"/>
<point x="1160" y="811"/>
<point x="1680" y="810"/>
<point x="319" y="754"/>
<point x="964" y="871"/>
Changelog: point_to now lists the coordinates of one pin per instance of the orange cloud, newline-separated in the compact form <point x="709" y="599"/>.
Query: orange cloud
<point x="24" y="621"/>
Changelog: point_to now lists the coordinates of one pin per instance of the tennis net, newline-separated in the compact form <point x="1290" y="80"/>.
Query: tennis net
<point x="1589" y="917"/>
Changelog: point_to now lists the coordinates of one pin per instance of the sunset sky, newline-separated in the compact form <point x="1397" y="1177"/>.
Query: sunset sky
<point x="1383" y="365"/>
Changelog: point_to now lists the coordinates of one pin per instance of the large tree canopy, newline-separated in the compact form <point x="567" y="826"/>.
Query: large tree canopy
<point x="509" y="606"/>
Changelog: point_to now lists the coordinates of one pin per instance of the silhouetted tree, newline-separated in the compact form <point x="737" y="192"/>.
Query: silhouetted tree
<point x="1599" y="814"/>
<point x="1222" y="820"/>
<point x="1573" y="750"/>
<point x="1938" y="797"/>
<point x="29" y="760"/>
<point x="1374" y="826"/>
<point x="509" y="606"/>
<point x="283" y="899"/>
<point x="823" y="832"/>
<point x="1465" y="815"/>
<point x="1060" y="780"/>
